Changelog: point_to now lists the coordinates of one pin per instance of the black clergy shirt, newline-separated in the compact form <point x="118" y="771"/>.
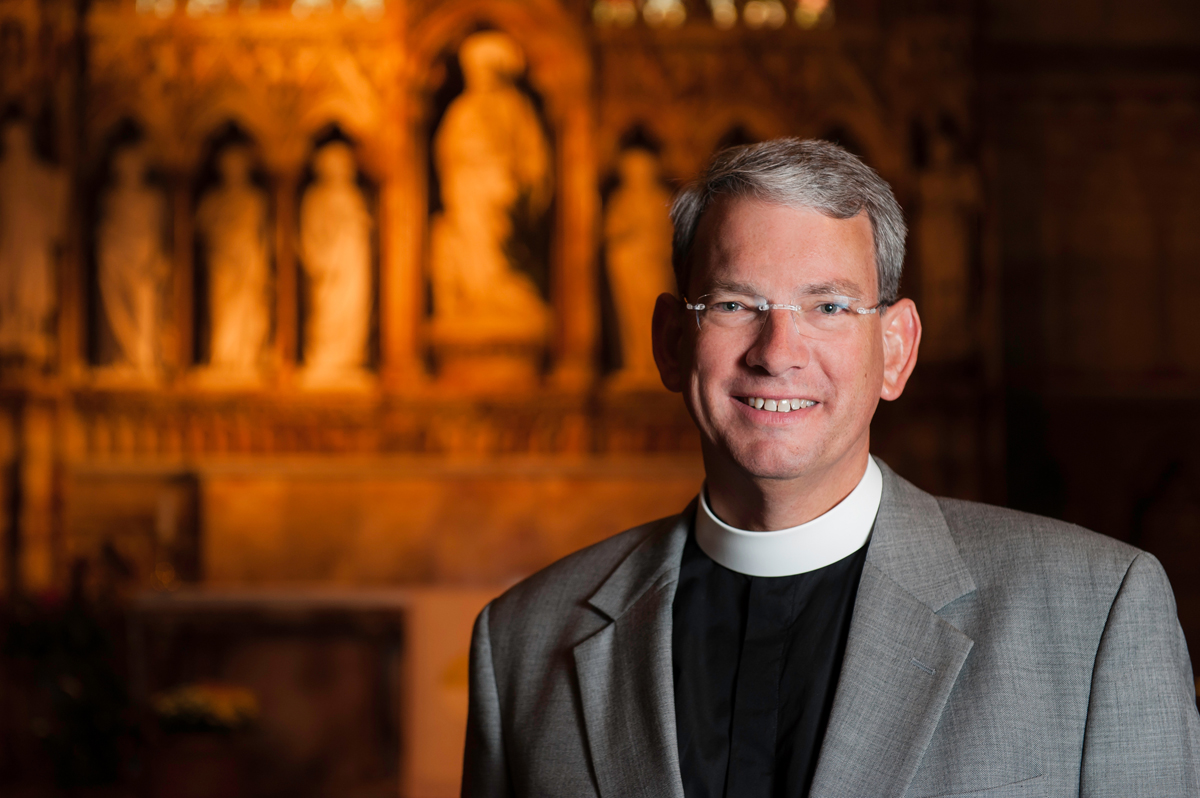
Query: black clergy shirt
<point x="756" y="663"/>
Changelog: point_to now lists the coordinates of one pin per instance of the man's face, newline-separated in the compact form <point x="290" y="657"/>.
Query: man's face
<point x="782" y="255"/>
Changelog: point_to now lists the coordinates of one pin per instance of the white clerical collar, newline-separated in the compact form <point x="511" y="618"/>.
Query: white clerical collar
<point x="785" y="552"/>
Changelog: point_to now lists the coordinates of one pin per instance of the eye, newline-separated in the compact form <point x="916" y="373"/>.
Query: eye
<point x="727" y="307"/>
<point x="830" y="308"/>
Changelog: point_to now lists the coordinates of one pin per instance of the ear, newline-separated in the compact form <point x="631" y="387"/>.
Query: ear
<point x="667" y="335"/>
<point x="901" y="339"/>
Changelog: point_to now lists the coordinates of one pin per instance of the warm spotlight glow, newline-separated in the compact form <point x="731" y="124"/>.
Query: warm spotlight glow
<point x="664" y="13"/>
<point x="370" y="9"/>
<point x="810" y="13"/>
<point x="764" y="14"/>
<point x="159" y="8"/>
<point x="199" y="8"/>
<point x="304" y="8"/>
<point x="724" y="13"/>
<point x="621" y="13"/>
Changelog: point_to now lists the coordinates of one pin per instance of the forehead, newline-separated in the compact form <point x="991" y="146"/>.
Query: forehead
<point x="779" y="250"/>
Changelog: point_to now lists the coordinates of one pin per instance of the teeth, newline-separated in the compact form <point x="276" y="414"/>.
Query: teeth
<point x="778" y="405"/>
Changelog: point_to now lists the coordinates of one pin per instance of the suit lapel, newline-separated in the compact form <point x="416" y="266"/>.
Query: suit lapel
<point x="901" y="658"/>
<point x="625" y="677"/>
<point x="901" y="661"/>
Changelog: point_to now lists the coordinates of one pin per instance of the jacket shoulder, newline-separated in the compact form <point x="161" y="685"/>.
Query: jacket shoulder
<point x="1001" y="540"/>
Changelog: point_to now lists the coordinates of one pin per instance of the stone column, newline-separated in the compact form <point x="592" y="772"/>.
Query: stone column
<point x="576" y="295"/>
<point x="10" y="574"/>
<point x="402" y="219"/>
<point x="34" y="499"/>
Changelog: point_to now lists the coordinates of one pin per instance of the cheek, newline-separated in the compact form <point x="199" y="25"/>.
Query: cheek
<point x="856" y="373"/>
<point x="712" y="363"/>
<point x="709" y="372"/>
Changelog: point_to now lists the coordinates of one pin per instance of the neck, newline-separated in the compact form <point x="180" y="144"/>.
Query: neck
<point x="758" y="504"/>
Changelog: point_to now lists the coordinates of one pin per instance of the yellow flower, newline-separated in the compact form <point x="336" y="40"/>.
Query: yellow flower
<point x="207" y="705"/>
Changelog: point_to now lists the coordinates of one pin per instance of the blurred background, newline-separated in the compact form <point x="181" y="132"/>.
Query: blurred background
<point x="322" y="321"/>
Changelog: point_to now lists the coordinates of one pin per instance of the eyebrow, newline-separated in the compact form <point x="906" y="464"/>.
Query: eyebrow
<point x="733" y="288"/>
<point x="847" y="288"/>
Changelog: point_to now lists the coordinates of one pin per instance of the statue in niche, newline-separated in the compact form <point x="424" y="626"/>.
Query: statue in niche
<point x="32" y="221"/>
<point x="335" y="250"/>
<point x="637" y="238"/>
<point x="232" y="222"/>
<point x="950" y="196"/>
<point x="132" y="262"/>
<point x="491" y="155"/>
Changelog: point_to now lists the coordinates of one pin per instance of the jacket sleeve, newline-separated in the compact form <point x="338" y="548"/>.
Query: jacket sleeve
<point x="485" y="770"/>
<point x="1143" y="733"/>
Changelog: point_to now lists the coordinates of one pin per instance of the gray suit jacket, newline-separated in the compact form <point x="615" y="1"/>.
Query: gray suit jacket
<point x="991" y="653"/>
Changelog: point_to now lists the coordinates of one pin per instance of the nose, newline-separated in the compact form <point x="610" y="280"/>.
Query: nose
<point x="779" y="346"/>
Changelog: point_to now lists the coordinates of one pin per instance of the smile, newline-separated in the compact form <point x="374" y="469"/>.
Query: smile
<point x="777" y="405"/>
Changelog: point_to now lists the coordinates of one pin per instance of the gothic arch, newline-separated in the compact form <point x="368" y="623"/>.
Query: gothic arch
<point x="338" y="111"/>
<point x="237" y="107"/>
<point x="554" y="46"/>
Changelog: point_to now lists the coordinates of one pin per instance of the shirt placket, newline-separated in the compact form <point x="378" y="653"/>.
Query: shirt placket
<point x="756" y="698"/>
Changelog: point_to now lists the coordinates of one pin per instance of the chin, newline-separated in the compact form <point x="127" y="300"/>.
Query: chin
<point x="768" y="460"/>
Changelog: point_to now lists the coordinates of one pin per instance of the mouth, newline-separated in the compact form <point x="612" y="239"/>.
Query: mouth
<point x="776" y="405"/>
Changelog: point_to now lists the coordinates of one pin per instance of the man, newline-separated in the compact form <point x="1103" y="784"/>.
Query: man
<point x="813" y="624"/>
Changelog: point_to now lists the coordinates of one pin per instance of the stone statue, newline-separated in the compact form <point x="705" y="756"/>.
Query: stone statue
<point x="132" y="262"/>
<point x="950" y="196"/>
<point x="232" y="222"/>
<point x="32" y="221"/>
<point x="490" y="154"/>
<point x="335" y="251"/>
<point x="637" y="238"/>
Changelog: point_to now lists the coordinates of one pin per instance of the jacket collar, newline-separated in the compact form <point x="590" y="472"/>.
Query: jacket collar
<point x="900" y="665"/>
<point x="902" y="659"/>
<point x="626" y="684"/>
<point x="658" y="555"/>
<point x="911" y="544"/>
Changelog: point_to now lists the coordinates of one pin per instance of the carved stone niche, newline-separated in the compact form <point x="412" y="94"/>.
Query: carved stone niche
<point x="33" y="215"/>
<point x="234" y="264"/>
<point x="131" y="337"/>
<point x="636" y="247"/>
<point x="510" y="194"/>
<point x="338" y="267"/>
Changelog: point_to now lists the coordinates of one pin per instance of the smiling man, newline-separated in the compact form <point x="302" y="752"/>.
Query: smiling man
<point x="813" y="624"/>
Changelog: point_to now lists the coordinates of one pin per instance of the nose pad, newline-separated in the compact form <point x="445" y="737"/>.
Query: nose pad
<point x="794" y="315"/>
<point x="771" y="317"/>
<point x="774" y="349"/>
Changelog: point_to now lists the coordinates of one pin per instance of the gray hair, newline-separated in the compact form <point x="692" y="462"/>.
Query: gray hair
<point x="796" y="173"/>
